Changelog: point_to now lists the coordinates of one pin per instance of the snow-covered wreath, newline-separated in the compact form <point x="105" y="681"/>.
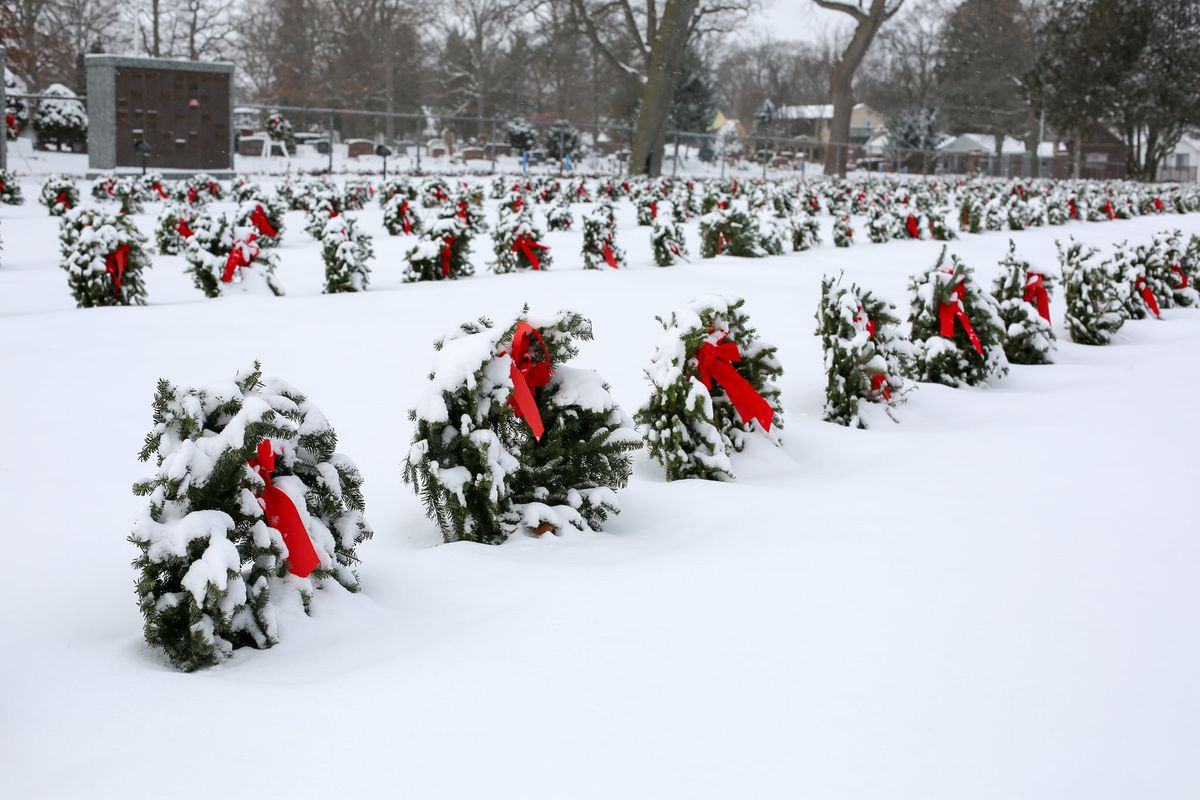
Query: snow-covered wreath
<point x="713" y="384"/>
<point x="509" y="439"/>
<point x="252" y="509"/>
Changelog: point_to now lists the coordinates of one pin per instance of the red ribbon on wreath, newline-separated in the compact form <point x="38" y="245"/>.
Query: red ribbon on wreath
<point x="191" y="194"/>
<point x="109" y="187"/>
<point x="1108" y="209"/>
<point x="653" y="210"/>
<point x="404" y="216"/>
<point x="158" y="187"/>
<point x="879" y="384"/>
<point x="258" y="218"/>
<point x="715" y="362"/>
<point x="243" y="252"/>
<point x="1147" y="294"/>
<point x="948" y="312"/>
<point x="447" y="244"/>
<point x="1158" y="204"/>
<point x="528" y="376"/>
<point x="214" y="189"/>
<point x="184" y="229"/>
<point x="1072" y="209"/>
<point x="722" y="242"/>
<point x="115" y="263"/>
<point x="1183" y="278"/>
<point x="914" y="228"/>
<point x="280" y="513"/>
<point x="11" y="122"/>
<point x="1035" y="293"/>
<point x="63" y="198"/>
<point x="609" y="257"/>
<point x="526" y="245"/>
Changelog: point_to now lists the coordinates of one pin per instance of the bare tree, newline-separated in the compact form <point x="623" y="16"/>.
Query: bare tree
<point x="841" y="78"/>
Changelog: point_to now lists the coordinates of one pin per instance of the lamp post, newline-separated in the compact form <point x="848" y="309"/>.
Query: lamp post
<point x="143" y="149"/>
<point x="383" y="151"/>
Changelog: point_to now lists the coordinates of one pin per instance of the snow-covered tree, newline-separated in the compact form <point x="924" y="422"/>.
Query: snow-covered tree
<point x="666" y="237"/>
<point x="956" y="330"/>
<point x="713" y="383"/>
<point x="10" y="189"/>
<point x="730" y="232"/>
<point x="1146" y="280"/>
<point x="863" y="349"/>
<point x="806" y="232"/>
<point x="843" y="231"/>
<point x="599" y="238"/>
<point x="59" y="195"/>
<point x="252" y="509"/>
<point x="508" y="439"/>
<point x="174" y="228"/>
<point x="1022" y="296"/>
<point x="356" y="194"/>
<point x="1094" y="312"/>
<point x="104" y="255"/>
<point x="517" y="242"/>
<point x="346" y="251"/>
<point x="400" y="215"/>
<point x="559" y="216"/>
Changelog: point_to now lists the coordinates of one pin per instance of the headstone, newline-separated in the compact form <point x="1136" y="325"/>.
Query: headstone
<point x="251" y="145"/>
<point x="473" y="154"/>
<point x="182" y="109"/>
<point x="359" y="147"/>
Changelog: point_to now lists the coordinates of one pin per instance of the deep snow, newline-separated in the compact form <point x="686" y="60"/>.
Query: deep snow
<point x="995" y="598"/>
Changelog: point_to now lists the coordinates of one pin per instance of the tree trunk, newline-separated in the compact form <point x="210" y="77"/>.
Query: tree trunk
<point x="1077" y="167"/>
<point x="842" y="93"/>
<point x="666" y="56"/>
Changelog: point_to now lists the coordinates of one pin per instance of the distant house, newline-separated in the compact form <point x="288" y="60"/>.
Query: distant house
<point x="1180" y="165"/>
<point x="976" y="152"/>
<point x="727" y="125"/>
<point x="815" y="121"/>
<point x="1103" y="158"/>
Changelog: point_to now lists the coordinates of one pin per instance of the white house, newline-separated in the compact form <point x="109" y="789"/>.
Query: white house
<point x="1181" y="163"/>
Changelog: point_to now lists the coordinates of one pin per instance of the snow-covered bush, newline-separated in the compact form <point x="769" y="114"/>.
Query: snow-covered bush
<point x="59" y="195"/>
<point x="60" y="119"/>
<point x="265" y="216"/>
<point x="843" y="231"/>
<point x="712" y="384"/>
<point x="10" y="188"/>
<point x="516" y="242"/>
<point x="174" y="228"/>
<point x="443" y="251"/>
<point x="666" y="237"/>
<point x="509" y="440"/>
<point x="730" y="232"/>
<point x="400" y="215"/>
<point x="223" y="259"/>
<point x="1094" y="311"/>
<point x="806" y="232"/>
<point x="599" y="238"/>
<point x="251" y="510"/>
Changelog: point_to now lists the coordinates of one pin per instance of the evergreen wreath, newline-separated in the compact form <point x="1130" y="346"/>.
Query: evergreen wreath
<point x="10" y="189"/>
<point x="1022" y="297"/>
<point x="1094" y="308"/>
<point x="265" y="216"/>
<point x="516" y="241"/>
<point x="104" y="255"/>
<point x="174" y="228"/>
<point x="508" y="439"/>
<point x="956" y="331"/>
<point x="730" y="232"/>
<point x="863" y="352"/>
<point x="400" y="215"/>
<point x="443" y="251"/>
<point x="251" y="509"/>
<point x="843" y="231"/>
<point x="806" y="232"/>
<point x="666" y="236"/>
<point x="223" y="259"/>
<point x="600" y="238"/>
<point x="713" y="383"/>
<point x="59" y="195"/>
<point x="346" y="251"/>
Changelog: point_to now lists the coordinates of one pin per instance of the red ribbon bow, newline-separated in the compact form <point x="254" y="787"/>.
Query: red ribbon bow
<point x="404" y="216"/>
<point x="715" y="362"/>
<point x="948" y="312"/>
<point x="879" y="384"/>
<point x="1147" y="293"/>
<point x="1158" y="204"/>
<point x="214" y="189"/>
<point x="62" y="199"/>
<point x="108" y="187"/>
<point x="1108" y="209"/>
<point x="258" y="218"/>
<point x="914" y="228"/>
<point x="241" y="255"/>
<point x="653" y="210"/>
<point x="11" y="121"/>
<point x="527" y="376"/>
<point x="525" y="244"/>
<point x="158" y="187"/>
<point x="115" y="263"/>
<point x="1072" y="209"/>
<point x="184" y="229"/>
<point x="447" y="244"/>
<point x="1035" y="293"/>
<point x="1183" y="278"/>
<point x="281" y="514"/>
<point x="609" y="257"/>
<point x="191" y="194"/>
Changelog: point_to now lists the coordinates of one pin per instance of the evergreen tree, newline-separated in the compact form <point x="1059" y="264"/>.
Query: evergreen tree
<point x="324" y="204"/>
<point x="970" y="214"/>
<point x="59" y="195"/>
<point x="558" y="216"/>
<point x="957" y="334"/>
<point x="843" y="231"/>
<point x="1022" y="296"/>
<point x="104" y="256"/>
<point x="225" y="260"/>
<point x="806" y="232"/>
<point x="442" y="252"/>
<point x="200" y="189"/>
<point x="561" y="140"/>
<point x="859" y="333"/>
<point x="1094" y="311"/>
<point x="1187" y="269"/>
<point x="346" y="251"/>
<point x="712" y="385"/>
<point x="251" y="507"/>
<point x="939" y="229"/>
<point x="1143" y="286"/>
<point x="356" y="193"/>
<point x="487" y="464"/>
<point x="730" y="232"/>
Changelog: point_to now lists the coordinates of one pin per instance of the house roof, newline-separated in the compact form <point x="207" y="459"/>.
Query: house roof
<point x="821" y="111"/>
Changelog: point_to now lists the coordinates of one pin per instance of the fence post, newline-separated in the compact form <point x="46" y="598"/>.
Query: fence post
<point x="675" y="159"/>
<point x="331" y="142"/>
<point x="417" y="138"/>
<point x="492" y="142"/>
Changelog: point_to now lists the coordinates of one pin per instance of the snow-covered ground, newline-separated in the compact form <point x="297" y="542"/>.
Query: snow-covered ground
<point x="995" y="598"/>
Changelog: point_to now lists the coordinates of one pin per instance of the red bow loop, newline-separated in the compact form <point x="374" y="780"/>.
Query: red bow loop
<point x="259" y="219"/>
<point x="527" y="376"/>
<point x="949" y="312"/>
<point x="280" y="513"/>
<point x="1142" y="287"/>
<point x="242" y="254"/>
<point x="115" y="263"/>
<point x="1035" y="293"/>
<point x="526" y="245"/>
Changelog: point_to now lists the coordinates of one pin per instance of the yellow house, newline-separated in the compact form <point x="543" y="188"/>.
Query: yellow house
<point x="815" y="121"/>
<point x="723" y="123"/>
